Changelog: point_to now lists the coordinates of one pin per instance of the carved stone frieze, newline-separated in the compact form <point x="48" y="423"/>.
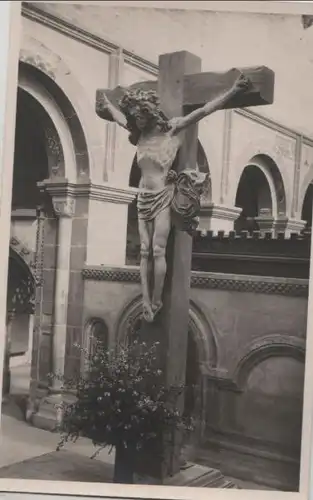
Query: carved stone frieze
<point x="295" y="288"/>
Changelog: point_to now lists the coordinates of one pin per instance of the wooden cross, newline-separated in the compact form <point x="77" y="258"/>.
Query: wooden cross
<point x="181" y="88"/>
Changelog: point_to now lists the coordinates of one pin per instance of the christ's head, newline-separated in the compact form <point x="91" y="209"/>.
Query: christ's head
<point x="143" y="113"/>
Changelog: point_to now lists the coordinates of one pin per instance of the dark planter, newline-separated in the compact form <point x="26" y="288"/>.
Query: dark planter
<point x="124" y="465"/>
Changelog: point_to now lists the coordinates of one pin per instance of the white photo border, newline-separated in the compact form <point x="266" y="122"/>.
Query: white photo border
<point x="62" y="488"/>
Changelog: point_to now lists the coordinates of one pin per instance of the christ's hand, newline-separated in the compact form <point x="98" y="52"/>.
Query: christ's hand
<point x="242" y="84"/>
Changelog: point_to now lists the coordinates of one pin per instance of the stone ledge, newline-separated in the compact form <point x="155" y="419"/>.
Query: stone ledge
<point x="294" y="287"/>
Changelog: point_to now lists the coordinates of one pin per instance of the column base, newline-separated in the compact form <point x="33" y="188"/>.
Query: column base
<point x="288" y="225"/>
<point x="46" y="413"/>
<point x="214" y="217"/>
<point x="284" y="225"/>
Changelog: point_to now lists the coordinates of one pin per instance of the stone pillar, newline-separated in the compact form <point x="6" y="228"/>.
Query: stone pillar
<point x="216" y="217"/>
<point x="64" y="209"/>
<point x="63" y="204"/>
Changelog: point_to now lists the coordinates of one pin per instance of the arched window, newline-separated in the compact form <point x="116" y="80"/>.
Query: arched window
<point x="96" y="330"/>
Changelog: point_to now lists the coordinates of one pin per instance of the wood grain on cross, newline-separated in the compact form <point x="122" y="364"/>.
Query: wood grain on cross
<point x="181" y="88"/>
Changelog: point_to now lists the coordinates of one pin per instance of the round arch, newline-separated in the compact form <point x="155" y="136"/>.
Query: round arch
<point x="33" y="120"/>
<point x="270" y="346"/>
<point x="56" y="130"/>
<point x="95" y="329"/>
<point x="260" y="189"/>
<point x="47" y="68"/>
<point x="27" y="256"/>
<point x="262" y="157"/>
<point x="307" y="204"/>
<point x="202" y="352"/>
<point x="200" y="328"/>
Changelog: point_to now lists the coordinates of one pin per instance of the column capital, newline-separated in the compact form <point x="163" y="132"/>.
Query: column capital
<point x="64" y="207"/>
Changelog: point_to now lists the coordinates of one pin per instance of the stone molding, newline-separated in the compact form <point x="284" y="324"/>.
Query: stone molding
<point x="220" y="211"/>
<point x="62" y="189"/>
<point x="107" y="193"/>
<point x="66" y="28"/>
<point x="271" y="345"/>
<point x="293" y="287"/>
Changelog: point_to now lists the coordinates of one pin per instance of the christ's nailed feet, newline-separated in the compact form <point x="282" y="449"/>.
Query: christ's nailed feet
<point x="148" y="314"/>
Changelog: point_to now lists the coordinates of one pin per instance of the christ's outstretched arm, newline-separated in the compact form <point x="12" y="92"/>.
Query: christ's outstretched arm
<point x="116" y="115"/>
<point x="178" y="124"/>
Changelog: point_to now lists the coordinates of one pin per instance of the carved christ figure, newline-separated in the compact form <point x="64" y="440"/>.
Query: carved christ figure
<point x="165" y="197"/>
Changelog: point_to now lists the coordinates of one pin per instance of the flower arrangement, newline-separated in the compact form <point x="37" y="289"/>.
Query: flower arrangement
<point x="121" y="402"/>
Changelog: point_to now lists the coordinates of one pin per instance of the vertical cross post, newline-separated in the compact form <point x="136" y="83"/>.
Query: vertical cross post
<point x="175" y="313"/>
<point x="170" y="327"/>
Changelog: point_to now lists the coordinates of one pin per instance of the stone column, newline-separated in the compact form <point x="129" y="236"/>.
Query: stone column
<point x="217" y="217"/>
<point x="63" y="204"/>
<point x="64" y="209"/>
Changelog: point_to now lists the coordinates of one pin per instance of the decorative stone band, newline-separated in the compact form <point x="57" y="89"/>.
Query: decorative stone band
<point x="293" y="287"/>
<point x="63" y="190"/>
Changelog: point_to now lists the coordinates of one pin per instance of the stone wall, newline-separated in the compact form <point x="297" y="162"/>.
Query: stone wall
<point x="251" y="343"/>
<point x="54" y="34"/>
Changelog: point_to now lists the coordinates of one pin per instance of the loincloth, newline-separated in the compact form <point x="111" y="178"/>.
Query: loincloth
<point x="181" y="193"/>
<point x="151" y="203"/>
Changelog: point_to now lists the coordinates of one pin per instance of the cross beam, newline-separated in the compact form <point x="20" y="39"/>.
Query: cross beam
<point x="199" y="88"/>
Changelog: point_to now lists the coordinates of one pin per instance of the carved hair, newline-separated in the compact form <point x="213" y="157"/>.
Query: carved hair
<point x="147" y="102"/>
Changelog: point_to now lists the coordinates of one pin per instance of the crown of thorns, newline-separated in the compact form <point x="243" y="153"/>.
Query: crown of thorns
<point x="145" y="99"/>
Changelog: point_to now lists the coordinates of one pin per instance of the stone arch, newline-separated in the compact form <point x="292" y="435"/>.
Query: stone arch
<point x="269" y="406"/>
<point x="58" y="134"/>
<point x="132" y="250"/>
<point x="22" y="250"/>
<point x="260" y="191"/>
<point x="45" y="68"/>
<point x="200" y="327"/>
<point x="203" y="355"/>
<point x="304" y="193"/>
<point x="277" y="345"/>
<point x="262" y="153"/>
<point x="20" y="305"/>
<point x="34" y="124"/>
<point x="306" y="206"/>
<point x="95" y="329"/>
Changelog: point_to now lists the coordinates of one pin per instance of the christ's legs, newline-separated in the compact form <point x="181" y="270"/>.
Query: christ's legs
<point x="145" y="233"/>
<point x="162" y="226"/>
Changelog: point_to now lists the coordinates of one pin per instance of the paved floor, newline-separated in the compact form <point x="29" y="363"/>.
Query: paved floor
<point x="30" y="453"/>
<point x="20" y="441"/>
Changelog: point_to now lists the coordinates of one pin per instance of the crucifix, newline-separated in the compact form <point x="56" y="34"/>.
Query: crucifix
<point x="162" y="117"/>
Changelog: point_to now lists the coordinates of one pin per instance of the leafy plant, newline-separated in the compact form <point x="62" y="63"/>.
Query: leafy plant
<point x="121" y="401"/>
